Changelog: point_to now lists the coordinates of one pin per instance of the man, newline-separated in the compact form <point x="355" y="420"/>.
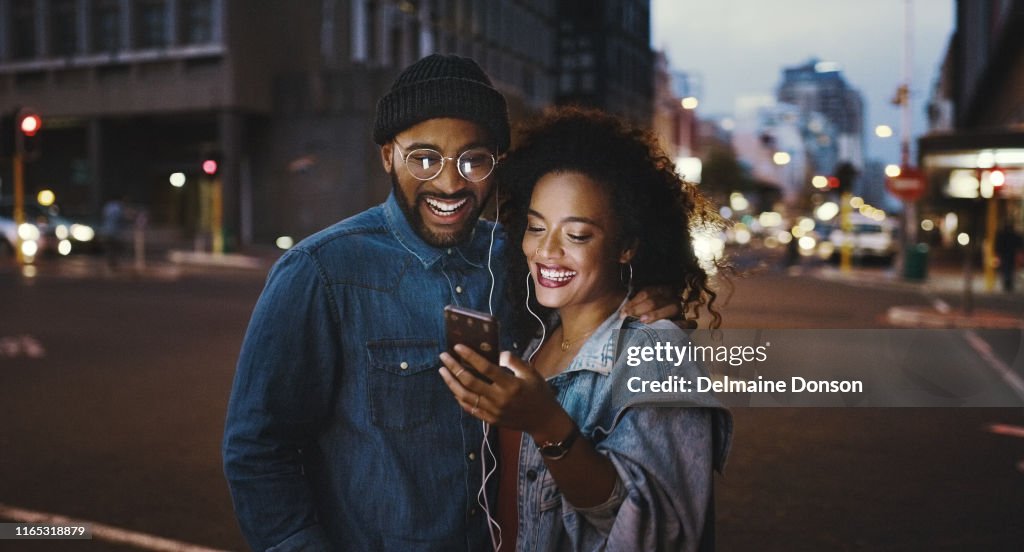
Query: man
<point x="1008" y="242"/>
<point x="340" y="432"/>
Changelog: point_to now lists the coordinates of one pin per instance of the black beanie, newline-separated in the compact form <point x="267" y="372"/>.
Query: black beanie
<point x="440" y="86"/>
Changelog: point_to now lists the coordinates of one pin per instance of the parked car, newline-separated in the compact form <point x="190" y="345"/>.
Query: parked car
<point x="44" y="229"/>
<point x="870" y="239"/>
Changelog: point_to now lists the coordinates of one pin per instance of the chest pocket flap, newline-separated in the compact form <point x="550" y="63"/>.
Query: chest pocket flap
<point x="403" y="382"/>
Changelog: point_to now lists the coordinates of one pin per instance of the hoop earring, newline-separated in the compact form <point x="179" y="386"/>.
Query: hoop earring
<point x="628" y="283"/>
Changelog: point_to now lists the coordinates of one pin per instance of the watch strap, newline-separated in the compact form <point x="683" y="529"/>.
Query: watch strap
<point x="555" y="450"/>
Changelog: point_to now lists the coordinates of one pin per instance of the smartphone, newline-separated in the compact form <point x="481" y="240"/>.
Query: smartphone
<point x="474" y="329"/>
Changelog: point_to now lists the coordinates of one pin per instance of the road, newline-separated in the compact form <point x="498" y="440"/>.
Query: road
<point x="113" y="392"/>
<point x="120" y="422"/>
<point x="868" y="478"/>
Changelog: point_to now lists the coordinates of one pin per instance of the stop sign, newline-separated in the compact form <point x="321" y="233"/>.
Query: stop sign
<point x="910" y="185"/>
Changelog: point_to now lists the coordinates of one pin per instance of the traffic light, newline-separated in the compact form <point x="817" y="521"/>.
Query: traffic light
<point x="210" y="164"/>
<point x="26" y="133"/>
<point x="845" y="173"/>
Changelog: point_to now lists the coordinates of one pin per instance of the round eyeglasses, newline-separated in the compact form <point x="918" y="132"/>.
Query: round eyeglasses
<point x="474" y="164"/>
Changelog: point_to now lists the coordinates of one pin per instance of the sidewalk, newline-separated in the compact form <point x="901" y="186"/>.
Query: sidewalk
<point x="166" y="260"/>
<point x="991" y="308"/>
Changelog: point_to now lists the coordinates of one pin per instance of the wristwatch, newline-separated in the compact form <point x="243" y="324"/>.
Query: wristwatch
<point x="555" y="450"/>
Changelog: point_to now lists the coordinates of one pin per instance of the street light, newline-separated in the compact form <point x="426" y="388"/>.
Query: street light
<point x="883" y="131"/>
<point x="689" y="103"/>
<point x="781" y="158"/>
<point x="177" y="179"/>
<point x="46" y="198"/>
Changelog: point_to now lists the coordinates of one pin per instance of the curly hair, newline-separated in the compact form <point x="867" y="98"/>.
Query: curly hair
<point x="654" y="207"/>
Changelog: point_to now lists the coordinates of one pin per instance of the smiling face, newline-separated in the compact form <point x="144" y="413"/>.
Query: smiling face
<point x="444" y="209"/>
<point x="571" y="242"/>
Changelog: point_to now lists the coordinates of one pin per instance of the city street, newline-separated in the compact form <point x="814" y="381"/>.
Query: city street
<point x="113" y="391"/>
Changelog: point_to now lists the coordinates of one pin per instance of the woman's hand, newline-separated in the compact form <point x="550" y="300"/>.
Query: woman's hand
<point x="524" y="401"/>
<point x="519" y="398"/>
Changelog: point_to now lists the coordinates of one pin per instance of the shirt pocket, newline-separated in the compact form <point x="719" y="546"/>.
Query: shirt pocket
<point x="404" y="385"/>
<point x="550" y="494"/>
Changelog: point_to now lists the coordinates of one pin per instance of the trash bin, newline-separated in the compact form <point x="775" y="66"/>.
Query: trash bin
<point x="915" y="265"/>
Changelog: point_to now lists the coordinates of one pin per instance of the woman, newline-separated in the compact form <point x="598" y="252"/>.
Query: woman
<point x="599" y="211"/>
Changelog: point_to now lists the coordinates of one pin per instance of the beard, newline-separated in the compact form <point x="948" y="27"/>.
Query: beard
<point x="412" y="213"/>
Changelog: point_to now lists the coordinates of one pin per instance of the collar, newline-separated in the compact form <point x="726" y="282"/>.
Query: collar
<point x="473" y="251"/>
<point x="598" y="352"/>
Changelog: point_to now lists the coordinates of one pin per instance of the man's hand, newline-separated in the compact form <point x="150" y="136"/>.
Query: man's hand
<point x="654" y="303"/>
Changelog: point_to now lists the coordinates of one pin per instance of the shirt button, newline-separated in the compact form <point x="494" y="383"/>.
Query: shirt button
<point x="472" y="511"/>
<point x="471" y="456"/>
<point x="404" y="366"/>
<point x="531" y="475"/>
<point x="458" y="289"/>
<point x="449" y="250"/>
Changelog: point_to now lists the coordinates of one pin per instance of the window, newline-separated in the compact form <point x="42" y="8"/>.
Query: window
<point x="23" y="30"/>
<point x="63" y="28"/>
<point x="106" y="27"/>
<point x="151" y="24"/>
<point x="196" y="22"/>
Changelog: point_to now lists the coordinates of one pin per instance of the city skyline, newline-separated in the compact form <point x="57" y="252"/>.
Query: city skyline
<point x="740" y="48"/>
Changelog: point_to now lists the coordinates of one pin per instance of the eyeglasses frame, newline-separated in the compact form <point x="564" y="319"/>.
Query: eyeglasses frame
<point x="444" y="158"/>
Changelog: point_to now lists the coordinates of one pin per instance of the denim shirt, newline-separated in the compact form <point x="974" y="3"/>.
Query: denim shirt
<point x="340" y="432"/>
<point x="664" y="455"/>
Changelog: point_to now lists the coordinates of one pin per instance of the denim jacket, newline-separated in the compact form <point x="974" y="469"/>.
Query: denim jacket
<point x="340" y="432"/>
<point x="664" y="455"/>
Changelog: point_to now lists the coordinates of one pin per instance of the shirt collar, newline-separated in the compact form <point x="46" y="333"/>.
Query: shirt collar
<point x="473" y="251"/>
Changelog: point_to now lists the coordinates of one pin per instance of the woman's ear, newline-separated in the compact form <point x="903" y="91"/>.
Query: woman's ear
<point x="629" y="252"/>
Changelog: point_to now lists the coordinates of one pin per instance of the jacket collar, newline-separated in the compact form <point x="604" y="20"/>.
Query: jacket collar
<point x="598" y="352"/>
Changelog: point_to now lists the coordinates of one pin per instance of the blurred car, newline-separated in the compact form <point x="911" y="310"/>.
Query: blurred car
<point x="33" y="231"/>
<point x="870" y="239"/>
<point x="44" y="230"/>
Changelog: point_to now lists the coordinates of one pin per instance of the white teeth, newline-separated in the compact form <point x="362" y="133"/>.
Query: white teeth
<point x="443" y="207"/>
<point x="557" y="275"/>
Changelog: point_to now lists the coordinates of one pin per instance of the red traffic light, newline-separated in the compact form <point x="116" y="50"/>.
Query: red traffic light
<point x="30" y="124"/>
<point x="833" y="182"/>
<point x="210" y="167"/>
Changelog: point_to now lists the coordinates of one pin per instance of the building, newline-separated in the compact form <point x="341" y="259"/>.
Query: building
<point x="674" y="121"/>
<point x="819" y="87"/>
<point x="973" y="155"/>
<point x="604" y="57"/>
<point x="281" y="94"/>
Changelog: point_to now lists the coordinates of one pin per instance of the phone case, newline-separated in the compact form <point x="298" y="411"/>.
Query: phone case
<point x="474" y="329"/>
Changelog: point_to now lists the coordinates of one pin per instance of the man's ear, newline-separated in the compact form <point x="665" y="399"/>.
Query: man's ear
<point x="386" y="157"/>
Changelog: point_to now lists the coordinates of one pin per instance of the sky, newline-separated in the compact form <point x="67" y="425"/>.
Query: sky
<point x="740" y="47"/>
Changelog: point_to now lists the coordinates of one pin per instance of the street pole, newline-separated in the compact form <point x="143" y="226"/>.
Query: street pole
<point x="217" y="224"/>
<point x="910" y="207"/>
<point x="846" y="224"/>
<point x="988" y="256"/>
<point x="19" y="203"/>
